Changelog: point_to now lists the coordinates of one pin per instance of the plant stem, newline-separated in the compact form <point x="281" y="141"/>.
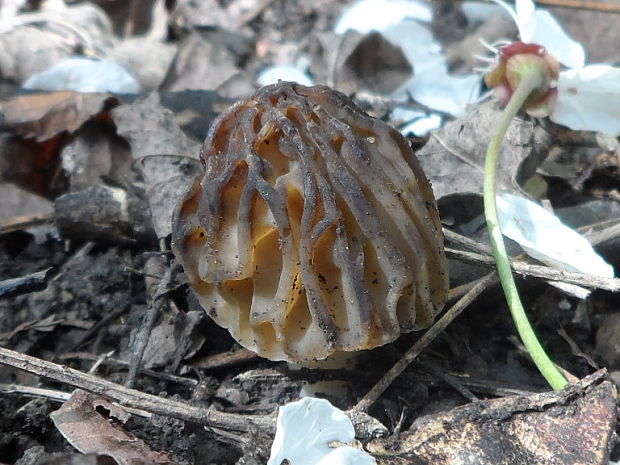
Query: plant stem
<point x="547" y="368"/>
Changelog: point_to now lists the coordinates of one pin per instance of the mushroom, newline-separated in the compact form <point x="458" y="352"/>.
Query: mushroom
<point x="313" y="229"/>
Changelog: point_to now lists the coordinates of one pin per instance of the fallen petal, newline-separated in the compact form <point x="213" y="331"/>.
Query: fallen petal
<point x="543" y="236"/>
<point x="437" y="89"/>
<point x="418" y="122"/>
<point x="589" y="99"/>
<point x="375" y="15"/>
<point x="304" y="430"/>
<point x="540" y="27"/>
<point x="84" y="75"/>
<point x="273" y="74"/>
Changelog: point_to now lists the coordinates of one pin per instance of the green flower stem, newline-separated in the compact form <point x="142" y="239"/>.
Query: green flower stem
<point x="528" y="84"/>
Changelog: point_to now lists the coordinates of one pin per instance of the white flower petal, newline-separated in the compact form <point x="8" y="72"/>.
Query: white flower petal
<point x="84" y="75"/>
<point x="479" y="12"/>
<point x="589" y="99"/>
<point x="375" y="15"/>
<point x="525" y="10"/>
<point x="408" y="35"/>
<point x="543" y="29"/>
<point x="304" y="430"/>
<point x="543" y="236"/>
<point x="273" y="74"/>
<point x="540" y="27"/>
<point x="418" y="122"/>
<point x="346" y="456"/>
<point x="511" y="11"/>
<point x="437" y="89"/>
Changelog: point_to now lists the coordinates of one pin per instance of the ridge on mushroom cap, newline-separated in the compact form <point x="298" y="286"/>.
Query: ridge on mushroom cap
<point x="313" y="229"/>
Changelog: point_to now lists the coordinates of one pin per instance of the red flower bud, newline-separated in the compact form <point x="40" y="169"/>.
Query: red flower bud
<point x="514" y="62"/>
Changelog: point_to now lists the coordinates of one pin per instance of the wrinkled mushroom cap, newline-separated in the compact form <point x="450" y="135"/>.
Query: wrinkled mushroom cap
<point x="313" y="229"/>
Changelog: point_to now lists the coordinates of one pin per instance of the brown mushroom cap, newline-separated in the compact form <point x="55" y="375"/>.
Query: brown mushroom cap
<point x="313" y="229"/>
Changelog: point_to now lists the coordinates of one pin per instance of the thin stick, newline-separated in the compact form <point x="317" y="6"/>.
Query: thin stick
<point x="142" y="338"/>
<point x="583" y="5"/>
<point x="136" y="399"/>
<point x="29" y="391"/>
<point x="24" y="222"/>
<point x="541" y="271"/>
<point x="578" y="5"/>
<point x="456" y="238"/>
<point x="56" y="396"/>
<point x="529" y="83"/>
<point x="422" y="343"/>
<point x="124" y="365"/>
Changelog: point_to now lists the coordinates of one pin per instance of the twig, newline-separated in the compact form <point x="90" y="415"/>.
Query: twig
<point x="450" y="380"/>
<point x="124" y="365"/>
<point x="32" y="282"/>
<point x="456" y="238"/>
<point x="591" y="5"/>
<point x="20" y="223"/>
<point x="576" y="351"/>
<point x="583" y="5"/>
<point x="483" y="386"/>
<point x="136" y="399"/>
<point x="56" y="396"/>
<point x="225" y="360"/>
<point x="107" y="319"/>
<point x="541" y="271"/>
<point x="459" y="291"/>
<point x="142" y="338"/>
<point x="428" y="337"/>
<point x="604" y="235"/>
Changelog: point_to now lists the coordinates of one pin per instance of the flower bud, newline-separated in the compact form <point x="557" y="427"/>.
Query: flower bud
<point x="514" y="62"/>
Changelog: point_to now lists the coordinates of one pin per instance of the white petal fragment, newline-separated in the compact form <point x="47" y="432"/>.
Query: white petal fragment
<point x="273" y="74"/>
<point x="375" y="15"/>
<point x="304" y="430"/>
<point x="589" y="99"/>
<point x="422" y="125"/>
<point x="437" y="89"/>
<point x="417" y="122"/>
<point x="540" y="27"/>
<point x="84" y="75"/>
<point x="543" y="236"/>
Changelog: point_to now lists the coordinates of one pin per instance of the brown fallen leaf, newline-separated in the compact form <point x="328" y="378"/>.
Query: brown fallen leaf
<point x="167" y="178"/>
<point x="357" y="62"/>
<point x="92" y="425"/>
<point x="31" y="165"/>
<point x="150" y="128"/>
<point x="201" y="64"/>
<point x="453" y="158"/>
<point x="43" y="116"/>
<point x="573" y="426"/>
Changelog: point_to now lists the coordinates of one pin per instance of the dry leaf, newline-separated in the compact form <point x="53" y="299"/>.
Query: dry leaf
<point x="94" y="154"/>
<point x="167" y="179"/>
<point x="92" y="425"/>
<point x="150" y="129"/>
<point x="200" y="64"/>
<point x="42" y="116"/>
<point x="453" y="158"/>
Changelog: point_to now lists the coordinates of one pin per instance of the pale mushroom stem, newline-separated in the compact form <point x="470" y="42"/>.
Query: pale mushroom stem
<point x="530" y="83"/>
